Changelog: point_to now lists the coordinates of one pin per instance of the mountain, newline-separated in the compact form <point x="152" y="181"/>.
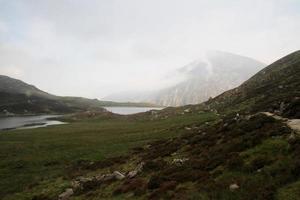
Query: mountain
<point x="18" y="97"/>
<point x="275" y="88"/>
<point x="207" y="77"/>
<point x="15" y="86"/>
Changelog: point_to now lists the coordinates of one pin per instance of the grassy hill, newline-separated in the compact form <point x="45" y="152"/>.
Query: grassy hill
<point x="20" y="98"/>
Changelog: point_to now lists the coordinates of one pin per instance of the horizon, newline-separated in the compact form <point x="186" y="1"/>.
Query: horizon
<point x="100" y="48"/>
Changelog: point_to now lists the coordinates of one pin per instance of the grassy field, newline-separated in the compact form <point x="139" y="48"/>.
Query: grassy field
<point x="32" y="158"/>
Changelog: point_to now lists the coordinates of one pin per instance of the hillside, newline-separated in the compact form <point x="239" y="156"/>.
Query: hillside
<point x="204" y="78"/>
<point x="276" y="88"/>
<point x="18" y="97"/>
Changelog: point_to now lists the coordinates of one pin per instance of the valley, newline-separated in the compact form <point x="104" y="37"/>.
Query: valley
<point x="242" y="144"/>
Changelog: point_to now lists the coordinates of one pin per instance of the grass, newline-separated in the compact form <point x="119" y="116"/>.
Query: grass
<point x="290" y="192"/>
<point x="31" y="158"/>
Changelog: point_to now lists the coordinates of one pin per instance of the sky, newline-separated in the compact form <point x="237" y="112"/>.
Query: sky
<point x="98" y="47"/>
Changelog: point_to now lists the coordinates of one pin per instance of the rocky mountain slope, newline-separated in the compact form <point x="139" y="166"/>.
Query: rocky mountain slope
<point x="245" y="153"/>
<point x="276" y="88"/>
<point x="204" y="78"/>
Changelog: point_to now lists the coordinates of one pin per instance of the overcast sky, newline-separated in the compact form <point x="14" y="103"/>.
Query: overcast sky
<point x="93" y="48"/>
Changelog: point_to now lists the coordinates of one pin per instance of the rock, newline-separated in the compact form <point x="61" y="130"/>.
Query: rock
<point x="105" y="178"/>
<point x="137" y="170"/>
<point x="179" y="161"/>
<point x="66" y="195"/>
<point x="187" y="110"/>
<point x="188" y="128"/>
<point x="234" y="187"/>
<point x="132" y="174"/>
<point x="119" y="175"/>
<point x="292" y="137"/>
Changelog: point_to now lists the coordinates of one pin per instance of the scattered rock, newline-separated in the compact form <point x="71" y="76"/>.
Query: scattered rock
<point x="66" y="194"/>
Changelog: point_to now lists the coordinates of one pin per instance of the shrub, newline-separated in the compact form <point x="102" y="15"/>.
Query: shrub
<point x="155" y="182"/>
<point x="136" y="185"/>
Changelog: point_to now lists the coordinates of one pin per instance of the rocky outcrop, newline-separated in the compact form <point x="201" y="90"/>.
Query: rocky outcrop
<point x="82" y="184"/>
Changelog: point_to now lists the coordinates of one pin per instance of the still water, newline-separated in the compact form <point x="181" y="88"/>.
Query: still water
<point x="130" y="110"/>
<point x="26" y="122"/>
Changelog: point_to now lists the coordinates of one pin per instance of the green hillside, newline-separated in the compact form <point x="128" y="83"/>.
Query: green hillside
<point x="17" y="97"/>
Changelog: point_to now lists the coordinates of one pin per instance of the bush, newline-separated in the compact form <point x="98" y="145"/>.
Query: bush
<point x="235" y="162"/>
<point x="136" y="185"/>
<point x="155" y="182"/>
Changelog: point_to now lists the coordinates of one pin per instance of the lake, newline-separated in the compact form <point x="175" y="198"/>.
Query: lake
<point x="130" y="110"/>
<point x="26" y="122"/>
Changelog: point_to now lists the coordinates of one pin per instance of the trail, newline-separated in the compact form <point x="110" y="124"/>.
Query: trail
<point x="294" y="124"/>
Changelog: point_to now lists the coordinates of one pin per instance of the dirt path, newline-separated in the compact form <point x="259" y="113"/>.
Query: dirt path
<point x="292" y="123"/>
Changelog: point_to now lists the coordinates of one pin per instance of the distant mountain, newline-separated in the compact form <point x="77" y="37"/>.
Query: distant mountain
<point x="15" y="86"/>
<point x="204" y="78"/>
<point x="18" y="97"/>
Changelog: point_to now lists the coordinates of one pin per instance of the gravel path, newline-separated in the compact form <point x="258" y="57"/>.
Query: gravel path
<point x="292" y="123"/>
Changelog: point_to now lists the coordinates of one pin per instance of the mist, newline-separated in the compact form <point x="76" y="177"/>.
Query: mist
<point x="97" y="48"/>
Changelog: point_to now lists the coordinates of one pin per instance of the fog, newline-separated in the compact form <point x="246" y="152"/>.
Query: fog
<point x="97" y="48"/>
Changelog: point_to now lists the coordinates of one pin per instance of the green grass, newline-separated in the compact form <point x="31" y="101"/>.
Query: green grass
<point x="40" y="156"/>
<point x="290" y="192"/>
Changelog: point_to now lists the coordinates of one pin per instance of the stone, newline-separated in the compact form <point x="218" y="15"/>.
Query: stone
<point x="179" y="161"/>
<point x="137" y="170"/>
<point x="119" y="175"/>
<point x="187" y="110"/>
<point x="234" y="187"/>
<point x="132" y="174"/>
<point x="66" y="195"/>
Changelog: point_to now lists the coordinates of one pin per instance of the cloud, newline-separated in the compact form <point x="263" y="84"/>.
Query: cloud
<point x="97" y="47"/>
<point x="11" y="71"/>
